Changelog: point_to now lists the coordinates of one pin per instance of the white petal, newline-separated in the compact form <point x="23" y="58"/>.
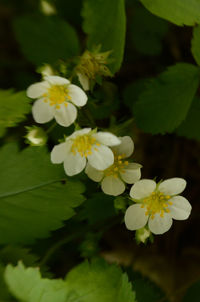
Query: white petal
<point x="131" y="173"/>
<point x="59" y="153"/>
<point x="37" y="90"/>
<point x="83" y="79"/>
<point x="74" y="164"/>
<point x="172" y="186"/>
<point x="66" y="115"/>
<point x="42" y="112"/>
<point x="79" y="132"/>
<point x="93" y="173"/>
<point x="142" y="188"/>
<point x="180" y="208"/>
<point x="78" y="96"/>
<point x="107" y="138"/>
<point x="159" y="225"/>
<point x="135" y="217"/>
<point x="101" y="158"/>
<point x="56" y="80"/>
<point x="112" y="186"/>
<point x="126" y="147"/>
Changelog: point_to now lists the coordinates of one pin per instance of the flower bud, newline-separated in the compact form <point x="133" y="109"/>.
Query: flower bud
<point x="47" y="8"/>
<point x="142" y="235"/>
<point x="36" y="136"/>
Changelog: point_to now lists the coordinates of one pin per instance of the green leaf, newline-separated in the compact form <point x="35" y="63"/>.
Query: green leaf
<point x="132" y="92"/>
<point x="146" y="290"/>
<point x="32" y="200"/>
<point x="193" y="293"/>
<point x="166" y="99"/>
<point x="97" y="281"/>
<point x="179" y="12"/>
<point x="105" y="24"/>
<point x="4" y="293"/>
<point x="27" y="285"/>
<point x="12" y="254"/>
<point x="99" y="207"/>
<point x="13" y="108"/>
<point x="88" y="282"/>
<point x="196" y="44"/>
<point x="190" y="127"/>
<point x="147" y="31"/>
<point x="46" y="39"/>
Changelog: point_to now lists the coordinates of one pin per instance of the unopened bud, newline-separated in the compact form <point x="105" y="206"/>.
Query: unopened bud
<point x="142" y="235"/>
<point x="36" y="136"/>
<point x="47" y="8"/>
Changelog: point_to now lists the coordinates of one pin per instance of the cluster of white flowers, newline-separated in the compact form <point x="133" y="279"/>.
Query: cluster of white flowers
<point x="104" y="157"/>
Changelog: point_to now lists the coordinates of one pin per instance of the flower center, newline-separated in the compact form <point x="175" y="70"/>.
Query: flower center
<point x="56" y="95"/>
<point x="83" y="144"/>
<point x="157" y="202"/>
<point x="118" y="166"/>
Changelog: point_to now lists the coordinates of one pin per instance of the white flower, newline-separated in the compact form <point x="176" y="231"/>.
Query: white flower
<point x="82" y="146"/>
<point x="113" y="179"/>
<point x="56" y="97"/>
<point x="157" y="204"/>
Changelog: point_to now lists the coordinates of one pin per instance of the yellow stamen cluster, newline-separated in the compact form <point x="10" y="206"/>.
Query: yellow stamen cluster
<point x="118" y="166"/>
<point x="83" y="144"/>
<point x="156" y="203"/>
<point x="57" y="95"/>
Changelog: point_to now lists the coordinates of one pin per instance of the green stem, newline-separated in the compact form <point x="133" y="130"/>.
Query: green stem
<point x="51" y="127"/>
<point x="80" y="233"/>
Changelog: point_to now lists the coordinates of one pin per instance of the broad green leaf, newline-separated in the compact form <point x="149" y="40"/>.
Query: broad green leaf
<point x="190" y="127"/>
<point x="32" y="200"/>
<point x="4" y="293"/>
<point x="88" y="282"/>
<point x="46" y="39"/>
<point x="27" y="285"/>
<point x="146" y="290"/>
<point x="105" y="24"/>
<point x="196" y="44"/>
<point x="132" y="92"/>
<point x="147" y="31"/>
<point x="12" y="254"/>
<point x="179" y="12"/>
<point x="13" y="108"/>
<point x="98" y="207"/>
<point x="165" y="101"/>
<point x="192" y="293"/>
<point x="97" y="281"/>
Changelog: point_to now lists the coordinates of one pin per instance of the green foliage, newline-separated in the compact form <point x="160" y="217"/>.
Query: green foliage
<point x="151" y="293"/>
<point x="190" y="127"/>
<point x="46" y="39"/>
<point x="13" y="108"/>
<point x="132" y="92"/>
<point x="4" y="293"/>
<point x="32" y="201"/>
<point x="147" y="31"/>
<point x="104" y="22"/>
<point x="196" y="44"/>
<point x="27" y="285"/>
<point x="193" y="293"/>
<point x="97" y="281"/>
<point x="166" y="99"/>
<point x="88" y="282"/>
<point x="179" y="12"/>
<point x="12" y="254"/>
<point x="98" y="207"/>
<point x="70" y="10"/>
